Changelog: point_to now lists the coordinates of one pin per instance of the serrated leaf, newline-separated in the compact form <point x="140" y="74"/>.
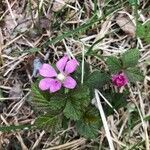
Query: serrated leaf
<point x="77" y="101"/>
<point x="79" y="93"/>
<point x="91" y="115"/>
<point x="117" y="100"/>
<point x="73" y="111"/>
<point x="114" y="64"/>
<point x="134" y="74"/>
<point x="57" y="104"/>
<point x="87" y="130"/>
<point x="97" y="80"/>
<point x="47" y="121"/>
<point x="38" y="94"/>
<point x="130" y="58"/>
<point x="88" y="126"/>
<point x="53" y="104"/>
<point x="143" y="31"/>
<point x="39" y="99"/>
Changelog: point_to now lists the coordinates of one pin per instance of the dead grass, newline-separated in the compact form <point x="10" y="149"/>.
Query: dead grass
<point x="28" y="24"/>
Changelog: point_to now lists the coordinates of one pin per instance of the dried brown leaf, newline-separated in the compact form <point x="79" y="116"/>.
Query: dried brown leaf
<point x="59" y="4"/>
<point x="16" y="91"/>
<point x="126" y="25"/>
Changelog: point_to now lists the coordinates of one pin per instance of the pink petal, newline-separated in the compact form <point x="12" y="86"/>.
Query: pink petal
<point x="119" y="79"/>
<point x="114" y="77"/>
<point x="44" y="84"/>
<point x="69" y="83"/>
<point x="47" y="71"/>
<point x="55" y="85"/>
<point x="62" y="63"/>
<point x="71" y="66"/>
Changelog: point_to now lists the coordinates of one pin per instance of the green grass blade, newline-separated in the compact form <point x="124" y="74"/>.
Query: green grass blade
<point x="14" y="128"/>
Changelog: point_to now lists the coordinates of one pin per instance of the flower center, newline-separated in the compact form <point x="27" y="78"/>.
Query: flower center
<point x="61" y="77"/>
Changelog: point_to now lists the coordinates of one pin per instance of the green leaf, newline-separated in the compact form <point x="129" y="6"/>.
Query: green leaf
<point x="133" y="2"/>
<point x="81" y="93"/>
<point x="77" y="101"/>
<point x="140" y="31"/>
<point x="78" y="72"/>
<point x="39" y="98"/>
<point x="117" y="100"/>
<point x="47" y="122"/>
<point x="89" y="131"/>
<point x="114" y="64"/>
<point x="73" y="110"/>
<point x="54" y="104"/>
<point x="88" y="126"/>
<point x="15" y="128"/>
<point x="134" y="74"/>
<point x="37" y="94"/>
<point x="130" y="58"/>
<point x="57" y="103"/>
<point x="97" y="80"/>
<point x="143" y="31"/>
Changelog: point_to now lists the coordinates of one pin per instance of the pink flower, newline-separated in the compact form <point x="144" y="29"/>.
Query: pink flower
<point x="119" y="79"/>
<point x="53" y="81"/>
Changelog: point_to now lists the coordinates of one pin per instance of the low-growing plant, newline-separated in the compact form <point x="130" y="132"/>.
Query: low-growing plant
<point x="59" y="96"/>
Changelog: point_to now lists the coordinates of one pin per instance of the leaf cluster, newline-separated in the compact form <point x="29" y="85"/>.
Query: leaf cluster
<point x="127" y="63"/>
<point x="74" y="105"/>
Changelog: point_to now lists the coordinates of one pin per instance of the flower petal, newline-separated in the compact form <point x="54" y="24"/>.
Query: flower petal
<point x="69" y="83"/>
<point x="47" y="71"/>
<point x="71" y="66"/>
<point x="55" y="85"/>
<point x="44" y="84"/>
<point x="62" y="63"/>
<point x="119" y="79"/>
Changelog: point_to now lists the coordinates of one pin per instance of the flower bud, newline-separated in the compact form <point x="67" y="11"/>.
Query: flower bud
<point x="119" y="79"/>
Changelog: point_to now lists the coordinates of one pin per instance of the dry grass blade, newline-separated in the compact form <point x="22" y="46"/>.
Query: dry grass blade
<point x="144" y="123"/>
<point x="102" y="114"/>
<point x="12" y="41"/>
<point x="1" y="45"/>
<point x="38" y="140"/>
<point x="10" y="10"/>
<point x="68" y="145"/>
